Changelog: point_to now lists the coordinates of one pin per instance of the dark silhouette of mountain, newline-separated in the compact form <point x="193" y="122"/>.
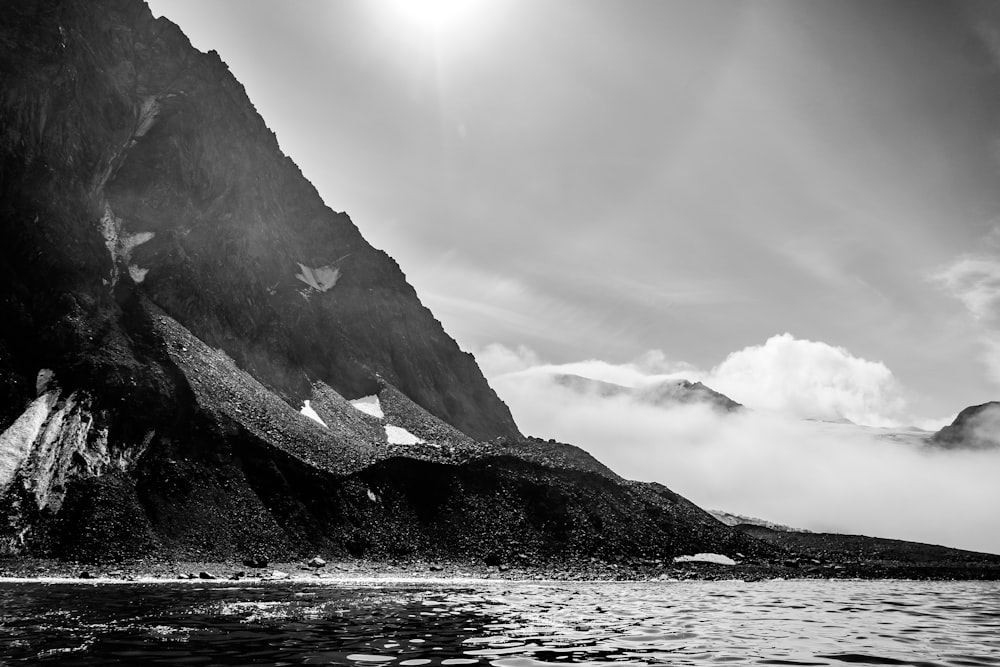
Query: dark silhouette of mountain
<point x="172" y="291"/>
<point x="976" y="427"/>
<point x="665" y="394"/>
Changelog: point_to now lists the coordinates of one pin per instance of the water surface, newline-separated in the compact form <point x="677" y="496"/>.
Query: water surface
<point x="503" y="623"/>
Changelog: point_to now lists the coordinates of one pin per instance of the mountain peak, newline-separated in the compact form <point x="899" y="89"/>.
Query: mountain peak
<point x="975" y="427"/>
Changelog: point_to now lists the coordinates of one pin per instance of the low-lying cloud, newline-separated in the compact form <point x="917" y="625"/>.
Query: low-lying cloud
<point x="810" y="379"/>
<point x="769" y="462"/>
<point x="802" y="378"/>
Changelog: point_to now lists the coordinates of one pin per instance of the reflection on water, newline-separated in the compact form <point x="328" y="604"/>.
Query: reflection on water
<point x="504" y="624"/>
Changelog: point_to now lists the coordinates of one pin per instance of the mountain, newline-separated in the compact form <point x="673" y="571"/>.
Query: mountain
<point x="976" y="427"/>
<point x="200" y="359"/>
<point x="664" y="394"/>
<point x="113" y="119"/>
<point x="673" y="392"/>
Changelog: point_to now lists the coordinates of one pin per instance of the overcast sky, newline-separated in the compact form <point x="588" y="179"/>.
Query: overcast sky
<point x="809" y="189"/>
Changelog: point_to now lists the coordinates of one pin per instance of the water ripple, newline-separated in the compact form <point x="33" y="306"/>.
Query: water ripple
<point x="506" y="624"/>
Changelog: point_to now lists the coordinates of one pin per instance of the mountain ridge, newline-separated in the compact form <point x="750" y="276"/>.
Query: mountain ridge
<point x="176" y="290"/>
<point x="190" y="190"/>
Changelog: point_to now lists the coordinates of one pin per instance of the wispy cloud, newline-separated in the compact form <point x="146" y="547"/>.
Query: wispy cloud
<point x="498" y="361"/>
<point x="974" y="279"/>
<point x="823" y="256"/>
<point x="475" y="304"/>
<point x="672" y="292"/>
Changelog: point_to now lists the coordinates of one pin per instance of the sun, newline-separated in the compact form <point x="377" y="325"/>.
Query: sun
<point x="439" y="16"/>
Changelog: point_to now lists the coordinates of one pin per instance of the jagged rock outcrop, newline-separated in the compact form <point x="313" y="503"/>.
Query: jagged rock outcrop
<point x="975" y="427"/>
<point x="172" y="291"/>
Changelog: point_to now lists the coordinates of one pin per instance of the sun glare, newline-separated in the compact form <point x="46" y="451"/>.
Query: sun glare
<point x="439" y="16"/>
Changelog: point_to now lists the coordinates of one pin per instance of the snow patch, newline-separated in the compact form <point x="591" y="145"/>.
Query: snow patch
<point x="17" y="442"/>
<point x="120" y="244"/>
<point x="400" y="436"/>
<point x="148" y="111"/>
<point x="43" y="379"/>
<point x="706" y="558"/>
<point x="54" y="441"/>
<point x="308" y="411"/>
<point x="321" y="278"/>
<point x="136" y="273"/>
<point x="369" y="405"/>
<point x="132" y="241"/>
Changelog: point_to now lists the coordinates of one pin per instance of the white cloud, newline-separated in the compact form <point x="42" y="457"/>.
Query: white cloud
<point x="496" y="359"/>
<point x="803" y="378"/>
<point x="810" y="379"/>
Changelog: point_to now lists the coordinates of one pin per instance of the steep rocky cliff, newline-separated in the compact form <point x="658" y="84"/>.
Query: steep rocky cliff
<point x="112" y="122"/>
<point x="173" y="291"/>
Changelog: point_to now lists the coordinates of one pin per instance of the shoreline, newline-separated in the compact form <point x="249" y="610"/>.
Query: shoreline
<point x="365" y="572"/>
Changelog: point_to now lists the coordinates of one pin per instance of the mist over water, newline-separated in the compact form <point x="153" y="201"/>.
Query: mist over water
<point x="507" y="624"/>
<point x="816" y="475"/>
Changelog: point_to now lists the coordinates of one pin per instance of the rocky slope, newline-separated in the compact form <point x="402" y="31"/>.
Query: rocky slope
<point x="172" y="292"/>
<point x="834" y="555"/>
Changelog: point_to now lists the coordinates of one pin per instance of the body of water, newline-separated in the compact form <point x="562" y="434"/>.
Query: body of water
<point x="507" y="624"/>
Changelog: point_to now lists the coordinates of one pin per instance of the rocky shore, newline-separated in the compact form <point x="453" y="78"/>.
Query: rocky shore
<point x="366" y="571"/>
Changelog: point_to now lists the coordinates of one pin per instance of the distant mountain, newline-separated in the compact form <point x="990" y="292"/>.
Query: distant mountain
<point x="976" y="427"/>
<point x="674" y="392"/>
<point x="590" y="386"/>
<point x="665" y="394"/>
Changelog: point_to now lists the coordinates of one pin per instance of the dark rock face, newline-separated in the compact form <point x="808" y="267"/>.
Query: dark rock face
<point x="131" y="157"/>
<point x="171" y="291"/>
<point x="976" y="427"/>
